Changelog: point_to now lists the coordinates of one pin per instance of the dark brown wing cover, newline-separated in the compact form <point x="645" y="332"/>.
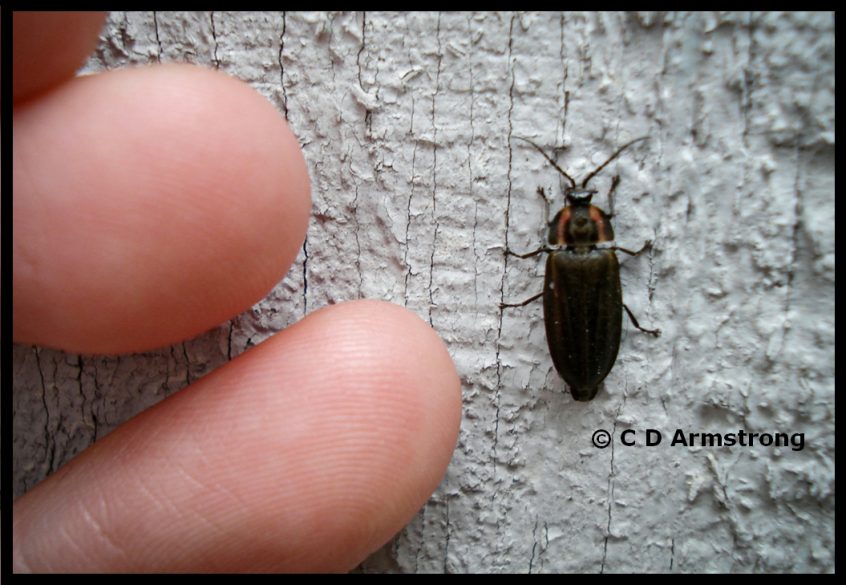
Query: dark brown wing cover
<point x="583" y="311"/>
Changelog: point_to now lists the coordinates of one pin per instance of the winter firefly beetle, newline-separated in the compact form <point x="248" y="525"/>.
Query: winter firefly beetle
<point x="582" y="297"/>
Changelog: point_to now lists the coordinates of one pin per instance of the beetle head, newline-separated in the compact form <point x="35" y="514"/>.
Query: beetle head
<point x="579" y="197"/>
<point x="580" y="223"/>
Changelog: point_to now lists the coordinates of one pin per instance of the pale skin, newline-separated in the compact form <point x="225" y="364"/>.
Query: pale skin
<point x="150" y="205"/>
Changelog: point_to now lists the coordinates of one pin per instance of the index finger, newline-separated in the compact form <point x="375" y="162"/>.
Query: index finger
<point x="150" y="204"/>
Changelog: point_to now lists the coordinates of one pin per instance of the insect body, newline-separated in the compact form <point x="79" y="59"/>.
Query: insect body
<point x="582" y="297"/>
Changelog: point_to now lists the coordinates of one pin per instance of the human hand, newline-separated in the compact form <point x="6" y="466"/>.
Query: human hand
<point x="151" y="204"/>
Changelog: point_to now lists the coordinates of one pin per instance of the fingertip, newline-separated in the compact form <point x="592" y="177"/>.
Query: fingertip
<point x="392" y="346"/>
<point x="306" y="453"/>
<point x="383" y="383"/>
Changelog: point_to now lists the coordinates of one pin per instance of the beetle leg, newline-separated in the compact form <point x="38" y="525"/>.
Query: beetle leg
<point x="654" y="332"/>
<point x="528" y="254"/>
<point x="523" y="304"/>
<point x="542" y="193"/>
<point x="646" y="245"/>
<point x="614" y="182"/>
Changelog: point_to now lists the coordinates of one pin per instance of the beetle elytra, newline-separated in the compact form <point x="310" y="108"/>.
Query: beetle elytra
<point x="582" y="296"/>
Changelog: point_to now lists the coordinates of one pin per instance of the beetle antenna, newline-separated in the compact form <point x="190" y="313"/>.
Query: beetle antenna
<point x="552" y="162"/>
<point x="612" y="157"/>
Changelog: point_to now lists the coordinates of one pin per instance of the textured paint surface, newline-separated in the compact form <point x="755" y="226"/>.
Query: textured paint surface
<point x="407" y="124"/>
